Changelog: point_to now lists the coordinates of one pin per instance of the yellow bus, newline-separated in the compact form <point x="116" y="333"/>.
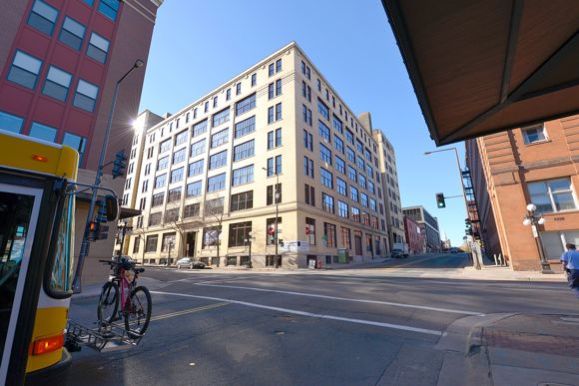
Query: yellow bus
<point x="36" y="257"/>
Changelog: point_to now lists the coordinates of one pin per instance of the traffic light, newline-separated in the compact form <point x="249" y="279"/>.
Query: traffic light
<point x="119" y="164"/>
<point x="468" y="227"/>
<point x="94" y="228"/>
<point x="440" y="200"/>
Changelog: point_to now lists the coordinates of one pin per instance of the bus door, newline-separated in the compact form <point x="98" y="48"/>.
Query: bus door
<point x="19" y="209"/>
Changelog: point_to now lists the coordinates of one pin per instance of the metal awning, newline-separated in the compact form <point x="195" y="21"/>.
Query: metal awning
<point x="483" y="66"/>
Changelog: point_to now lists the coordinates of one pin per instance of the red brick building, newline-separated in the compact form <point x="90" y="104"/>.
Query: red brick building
<point x="414" y="237"/>
<point x="536" y="164"/>
<point x="59" y="62"/>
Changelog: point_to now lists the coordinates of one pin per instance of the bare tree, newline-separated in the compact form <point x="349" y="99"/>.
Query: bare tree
<point x="215" y="212"/>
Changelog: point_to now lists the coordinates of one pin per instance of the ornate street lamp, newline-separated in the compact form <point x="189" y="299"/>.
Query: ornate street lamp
<point x="534" y="221"/>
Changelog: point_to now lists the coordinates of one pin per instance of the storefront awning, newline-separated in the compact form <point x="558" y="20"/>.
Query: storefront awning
<point x="483" y="66"/>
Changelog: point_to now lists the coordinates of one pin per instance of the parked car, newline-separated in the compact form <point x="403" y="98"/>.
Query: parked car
<point x="187" y="262"/>
<point x="398" y="254"/>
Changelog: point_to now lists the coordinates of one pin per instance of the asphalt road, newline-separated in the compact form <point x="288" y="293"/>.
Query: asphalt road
<point x="303" y="327"/>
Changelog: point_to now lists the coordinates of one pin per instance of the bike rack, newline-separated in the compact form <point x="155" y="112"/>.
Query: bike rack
<point x="106" y="338"/>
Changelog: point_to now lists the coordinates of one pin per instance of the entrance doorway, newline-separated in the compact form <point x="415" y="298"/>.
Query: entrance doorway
<point x="190" y="244"/>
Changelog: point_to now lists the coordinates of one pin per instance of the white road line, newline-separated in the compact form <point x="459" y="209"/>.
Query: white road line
<point x="447" y="310"/>
<point x="310" y="314"/>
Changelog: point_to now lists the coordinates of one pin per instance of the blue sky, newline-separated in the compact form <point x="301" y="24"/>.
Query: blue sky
<point x="198" y="45"/>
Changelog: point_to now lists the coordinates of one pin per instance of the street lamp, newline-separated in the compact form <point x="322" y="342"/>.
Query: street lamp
<point x="474" y="258"/>
<point x="248" y="242"/>
<point x="84" y="247"/>
<point x="276" y="201"/>
<point x="534" y="221"/>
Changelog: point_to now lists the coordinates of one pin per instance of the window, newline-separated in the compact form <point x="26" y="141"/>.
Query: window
<point x="195" y="168"/>
<point x="349" y="136"/>
<point x="162" y="163"/>
<point x="24" y="70"/>
<point x="160" y="181"/>
<point x="220" y="117"/>
<point x="154" y="219"/>
<point x="164" y="146"/>
<point x="145" y="187"/>
<point x="253" y="79"/>
<point x="98" y="48"/>
<point x="371" y="186"/>
<point x="214" y="207"/>
<point x="86" y="94"/>
<point x="341" y="187"/>
<point x="324" y="131"/>
<point x="552" y="195"/>
<point x="244" y="150"/>
<point x="218" y="160"/>
<point x="215" y="99"/>
<point x="109" y="8"/>
<point x="346" y="238"/>
<point x="10" y="122"/>
<point x="328" y="203"/>
<point x="57" y="83"/>
<point x="311" y="230"/>
<point x="273" y="226"/>
<point x="310" y="195"/>
<point x="269" y="194"/>
<point x="244" y="105"/>
<point x="77" y="142"/>
<point x="151" y="244"/>
<point x="364" y="200"/>
<point x="211" y="236"/>
<point x="325" y="154"/>
<point x="373" y="204"/>
<point x="206" y="107"/>
<point x="168" y="242"/>
<point x="194" y="189"/>
<point x="340" y="165"/>
<point x="270" y="69"/>
<point x="171" y="215"/>
<point x="176" y="175"/>
<point x="274" y="139"/>
<point x="198" y="148"/>
<point x="278" y="66"/>
<point x="216" y="183"/>
<point x="356" y="214"/>
<point x="343" y="209"/>
<point x="219" y="138"/>
<point x="307" y="114"/>
<point x="338" y="144"/>
<point x="533" y="134"/>
<point x="228" y="94"/>
<point x="238" y="88"/>
<point x="241" y="201"/>
<point x="174" y="195"/>
<point x="323" y="110"/>
<point x="42" y="17"/>
<point x="330" y="235"/>
<point x="337" y="124"/>
<point x="350" y="154"/>
<point x="308" y="167"/>
<point x="360" y="163"/>
<point x="308" y="140"/>
<point x="277" y="112"/>
<point x="326" y="178"/>
<point x="352" y="174"/>
<point x="278" y="87"/>
<point x="244" y="127"/>
<point x="306" y="91"/>
<point x="238" y="232"/>
<point x="158" y="199"/>
<point x="199" y="128"/>
<point x="72" y="33"/>
<point x="191" y="210"/>
<point x="270" y="91"/>
<point x="179" y="156"/>
<point x="362" y="181"/>
<point x="43" y="132"/>
<point x="181" y="137"/>
<point x="242" y="175"/>
<point x="359" y="146"/>
<point x="368" y="155"/>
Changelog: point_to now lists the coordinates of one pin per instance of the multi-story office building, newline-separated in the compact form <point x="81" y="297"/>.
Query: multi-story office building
<point x="392" y="204"/>
<point x="60" y="61"/>
<point x="276" y="139"/>
<point x="428" y="226"/>
<point x="535" y="164"/>
<point x="414" y="236"/>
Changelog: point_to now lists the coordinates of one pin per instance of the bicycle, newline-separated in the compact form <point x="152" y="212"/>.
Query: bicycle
<point x="135" y="308"/>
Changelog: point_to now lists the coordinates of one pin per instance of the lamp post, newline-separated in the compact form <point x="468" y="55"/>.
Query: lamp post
<point x="84" y="247"/>
<point x="534" y="221"/>
<point x="170" y="246"/>
<point x="248" y="242"/>
<point x="474" y="258"/>
<point x="276" y="201"/>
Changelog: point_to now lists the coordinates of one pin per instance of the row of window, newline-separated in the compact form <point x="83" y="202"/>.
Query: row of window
<point x="25" y="70"/>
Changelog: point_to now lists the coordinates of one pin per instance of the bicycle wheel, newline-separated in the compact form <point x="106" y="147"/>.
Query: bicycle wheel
<point x="138" y="312"/>
<point x="108" y="303"/>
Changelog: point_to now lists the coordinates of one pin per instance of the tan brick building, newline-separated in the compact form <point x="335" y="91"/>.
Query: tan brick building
<point x="208" y="176"/>
<point x="535" y="164"/>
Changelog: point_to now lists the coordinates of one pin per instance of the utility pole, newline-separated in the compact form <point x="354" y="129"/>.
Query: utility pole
<point x="85" y="244"/>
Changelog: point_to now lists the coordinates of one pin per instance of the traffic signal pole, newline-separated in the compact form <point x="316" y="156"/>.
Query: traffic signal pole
<point x="85" y="244"/>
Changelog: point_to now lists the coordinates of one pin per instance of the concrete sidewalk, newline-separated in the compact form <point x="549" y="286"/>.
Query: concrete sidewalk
<point x="512" y="350"/>
<point x="493" y="272"/>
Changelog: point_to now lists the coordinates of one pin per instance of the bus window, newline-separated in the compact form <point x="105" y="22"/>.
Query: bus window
<point x="15" y="216"/>
<point x="62" y="268"/>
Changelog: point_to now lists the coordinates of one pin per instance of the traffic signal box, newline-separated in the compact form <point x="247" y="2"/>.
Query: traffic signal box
<point x="440" y="203"/>
<point x="98" y="228"/>
<point x="119" y="164"/>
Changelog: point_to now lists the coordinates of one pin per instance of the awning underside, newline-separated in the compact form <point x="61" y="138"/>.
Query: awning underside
<point x="482" y="66"/>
